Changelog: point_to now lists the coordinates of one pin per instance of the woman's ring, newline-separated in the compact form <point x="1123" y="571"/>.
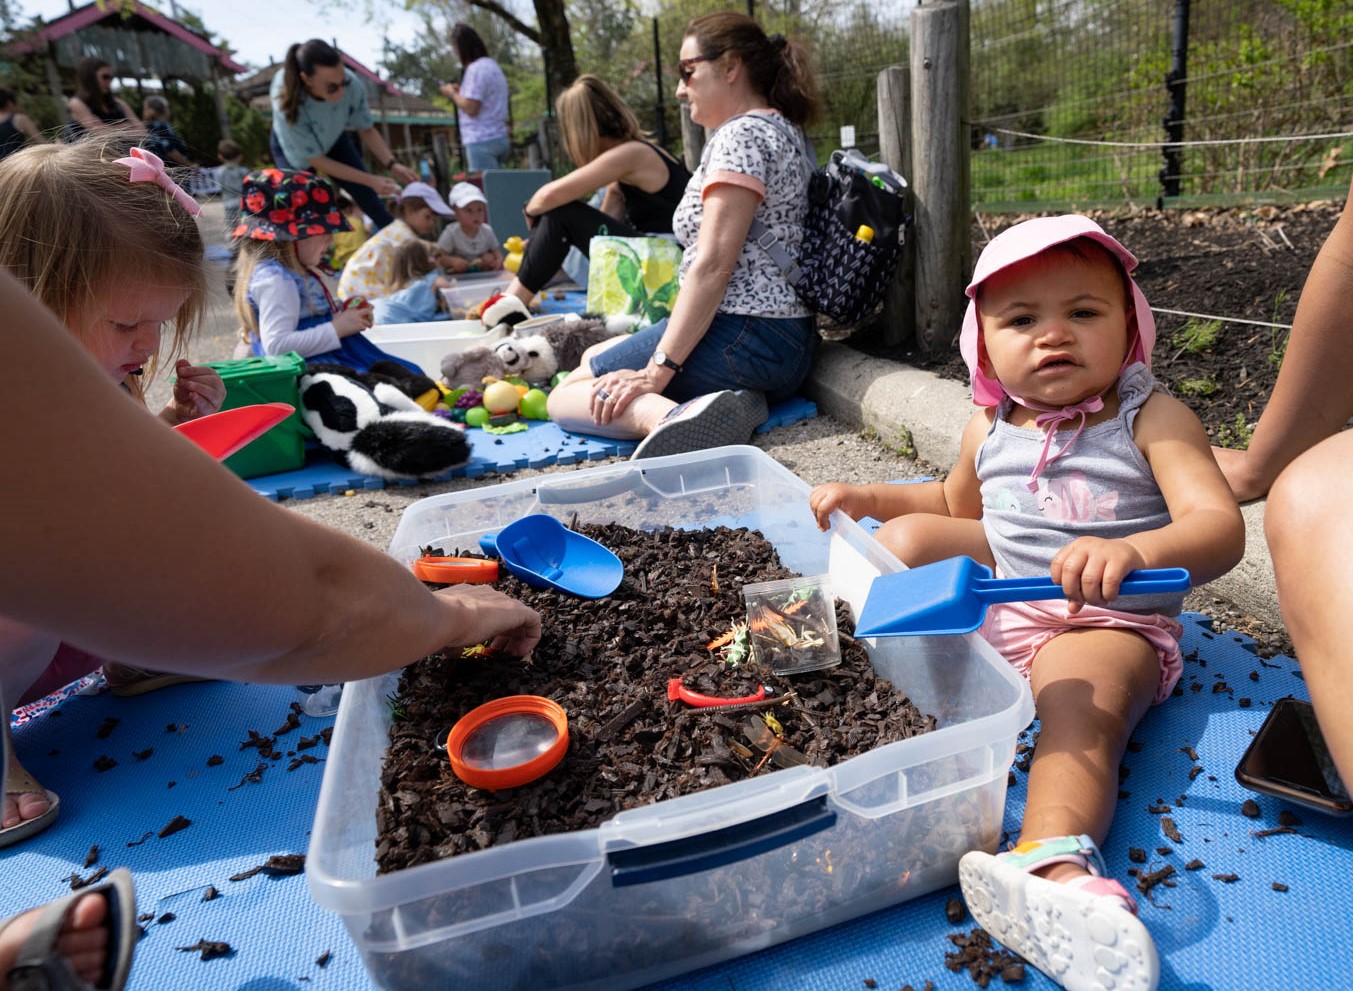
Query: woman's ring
<point x="603" y="395"/>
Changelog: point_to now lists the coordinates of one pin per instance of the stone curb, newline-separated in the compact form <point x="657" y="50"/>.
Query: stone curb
<point x="909" y="407"/>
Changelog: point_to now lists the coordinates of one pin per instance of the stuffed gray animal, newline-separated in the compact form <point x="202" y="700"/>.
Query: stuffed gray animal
<point x="534" y="354"/>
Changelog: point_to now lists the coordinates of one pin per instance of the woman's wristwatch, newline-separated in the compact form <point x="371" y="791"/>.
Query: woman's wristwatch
<point x="662" y="361"/>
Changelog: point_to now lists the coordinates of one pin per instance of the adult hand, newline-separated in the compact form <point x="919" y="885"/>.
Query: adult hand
<point x="509" y="625"/>
<point x="450" y="90"/>
<point x="614" y="391"/>
<point x="198" y="391"/>
<point x="353" y="320"/>
<point x="384" y="185"/>
<point x="403" y="173"/>
<point x="825" y="499"/>
<point x="1091" y="569"/>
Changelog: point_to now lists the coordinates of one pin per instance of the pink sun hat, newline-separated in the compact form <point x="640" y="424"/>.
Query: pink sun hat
<point x="1024" y="241"/>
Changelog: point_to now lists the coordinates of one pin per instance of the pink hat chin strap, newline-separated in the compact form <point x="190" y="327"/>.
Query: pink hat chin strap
<point x="1049" y="419"/>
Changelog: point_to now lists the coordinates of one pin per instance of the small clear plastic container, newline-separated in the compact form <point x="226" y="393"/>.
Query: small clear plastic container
<point x="793" y="624"/>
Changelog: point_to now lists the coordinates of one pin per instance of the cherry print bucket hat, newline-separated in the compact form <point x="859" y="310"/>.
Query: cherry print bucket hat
<point x="1024" y="241"/>
<point x="287" y="205"/>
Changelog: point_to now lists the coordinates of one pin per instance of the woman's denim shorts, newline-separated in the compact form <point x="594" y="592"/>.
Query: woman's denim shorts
<point x="770" y="354"/>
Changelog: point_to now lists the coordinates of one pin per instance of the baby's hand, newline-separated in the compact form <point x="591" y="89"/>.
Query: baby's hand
<point x="1090" y="570"/>
<point x="491" y="260"/>
<point x="824" y="499"/>
<point x="455" y="263"/>
<point x="352" y="321"/>
<point x="198" y="391"/>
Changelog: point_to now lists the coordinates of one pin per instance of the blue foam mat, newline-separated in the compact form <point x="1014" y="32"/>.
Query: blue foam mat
<point x="1210" y="934"/>
<point x="539" y="445"/>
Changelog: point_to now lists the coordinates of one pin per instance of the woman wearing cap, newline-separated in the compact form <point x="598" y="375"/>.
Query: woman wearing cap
<point x="643" y="184"/>
<point x="738" y="332"/>
<point x="482" y="99"/>
<point x="368" y="272"/>
<point x="283" y="302"/>
<point x="316" y="100"/>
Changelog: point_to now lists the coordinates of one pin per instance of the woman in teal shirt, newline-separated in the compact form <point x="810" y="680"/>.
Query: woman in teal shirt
<point x="316" y="103"/>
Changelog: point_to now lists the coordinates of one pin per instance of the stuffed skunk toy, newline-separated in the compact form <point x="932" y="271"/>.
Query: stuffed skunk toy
<point x="371" y="421"/>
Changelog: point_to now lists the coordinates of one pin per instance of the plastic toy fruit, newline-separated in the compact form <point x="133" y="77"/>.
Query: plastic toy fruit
<point x="559" y="376"/>
<point x="501" y="397"/>
<point x="476" y="416"/>
<point x="532" y="405"/>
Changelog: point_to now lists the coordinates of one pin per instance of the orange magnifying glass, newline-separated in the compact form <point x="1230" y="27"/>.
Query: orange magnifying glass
<point x="508" y="742"/>
<point x="455" y="570"/>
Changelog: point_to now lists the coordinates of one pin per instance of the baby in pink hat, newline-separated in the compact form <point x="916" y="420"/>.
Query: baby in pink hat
<point x="1076" y="466"/>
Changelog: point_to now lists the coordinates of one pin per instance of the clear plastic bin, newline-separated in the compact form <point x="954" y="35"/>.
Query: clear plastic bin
<point x="426" y="344"/>
<point x="638" y="899"/>
<point x="471" y="290"/>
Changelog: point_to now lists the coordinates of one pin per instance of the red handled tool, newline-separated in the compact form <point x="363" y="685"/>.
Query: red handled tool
<point x="676" y="690"/>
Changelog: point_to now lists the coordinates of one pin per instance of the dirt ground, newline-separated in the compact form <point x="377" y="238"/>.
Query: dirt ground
<point x="1240" y="264"/>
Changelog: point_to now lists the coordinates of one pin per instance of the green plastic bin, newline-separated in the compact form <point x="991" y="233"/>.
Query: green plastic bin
<point x="267" y="379"/>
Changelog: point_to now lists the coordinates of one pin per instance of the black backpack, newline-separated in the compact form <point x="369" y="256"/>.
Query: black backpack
<point x="853" y="234"/>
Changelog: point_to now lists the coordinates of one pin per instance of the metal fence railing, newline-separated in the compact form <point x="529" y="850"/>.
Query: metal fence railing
<point x="1094" y="102"/>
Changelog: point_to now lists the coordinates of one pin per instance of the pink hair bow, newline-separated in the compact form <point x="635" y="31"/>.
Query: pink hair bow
<point x="147" y="167"/>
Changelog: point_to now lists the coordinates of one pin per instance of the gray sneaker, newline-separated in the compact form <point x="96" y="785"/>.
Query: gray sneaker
<point x="711" y="420"/>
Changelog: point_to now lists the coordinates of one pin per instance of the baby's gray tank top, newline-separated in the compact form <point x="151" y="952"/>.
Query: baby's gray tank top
<point x="1102" y="487"/>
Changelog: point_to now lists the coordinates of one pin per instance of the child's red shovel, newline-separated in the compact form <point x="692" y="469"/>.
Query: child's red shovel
<point x="222" y="434"/>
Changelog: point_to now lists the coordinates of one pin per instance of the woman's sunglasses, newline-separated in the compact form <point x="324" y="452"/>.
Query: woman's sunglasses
<point x="331" y="88"/>
<point x="686" y="66"/>
<point x="105" y="77"/>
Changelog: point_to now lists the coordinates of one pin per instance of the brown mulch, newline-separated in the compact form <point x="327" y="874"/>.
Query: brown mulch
<point x="608" y="662"/>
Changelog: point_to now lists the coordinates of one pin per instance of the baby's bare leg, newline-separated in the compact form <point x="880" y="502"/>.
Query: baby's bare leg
<point x="1091" y="687"/>
<point x="922" y="538"/>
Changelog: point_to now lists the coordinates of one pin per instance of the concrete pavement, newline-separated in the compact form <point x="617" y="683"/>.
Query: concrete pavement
<point x="906" y="406"/>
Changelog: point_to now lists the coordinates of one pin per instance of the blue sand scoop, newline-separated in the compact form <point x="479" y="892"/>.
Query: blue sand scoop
<point x="544" y="553"/>
<point x="951" y="596"/>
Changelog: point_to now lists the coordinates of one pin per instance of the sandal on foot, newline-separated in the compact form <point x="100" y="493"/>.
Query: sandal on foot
<point x="126" y="681"/>
<point x="19" y="782"/>
<point x="1085" y="934"/>
<point x="41" y="967"/>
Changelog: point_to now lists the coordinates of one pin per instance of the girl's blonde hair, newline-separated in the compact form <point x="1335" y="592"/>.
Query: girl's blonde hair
<point x="74" y="228"/>
<point x="253" y="253"/>
<point x="410" y="262"/>
<point x="589" y="110"/>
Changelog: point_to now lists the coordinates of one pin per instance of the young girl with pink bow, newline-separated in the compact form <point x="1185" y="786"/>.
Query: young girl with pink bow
<point x="106" y="239"/>
<point x="1076" y="466"/>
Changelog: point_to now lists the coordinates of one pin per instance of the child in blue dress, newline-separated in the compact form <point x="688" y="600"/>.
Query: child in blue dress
<point x="286" y="219"/>
<point x="414" y="290"/>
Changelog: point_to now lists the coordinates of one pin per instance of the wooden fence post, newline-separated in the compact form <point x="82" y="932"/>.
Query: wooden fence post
<point x="692" y="138"/>
<point x="894" y="107"/>
<point x="941" y="168"/>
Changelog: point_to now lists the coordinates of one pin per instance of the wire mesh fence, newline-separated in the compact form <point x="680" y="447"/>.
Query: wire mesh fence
<point x="1091" y="102"/>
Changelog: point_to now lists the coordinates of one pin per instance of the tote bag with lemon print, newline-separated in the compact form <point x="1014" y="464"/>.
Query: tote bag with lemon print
<point x="633" y="276"/>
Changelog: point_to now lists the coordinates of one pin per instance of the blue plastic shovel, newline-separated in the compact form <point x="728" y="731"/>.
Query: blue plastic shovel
<point x="951" y="596"/>
<point x="544" y="553"/>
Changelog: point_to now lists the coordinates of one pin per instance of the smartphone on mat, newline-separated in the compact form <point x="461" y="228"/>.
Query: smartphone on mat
<point x="1288" y="758"/>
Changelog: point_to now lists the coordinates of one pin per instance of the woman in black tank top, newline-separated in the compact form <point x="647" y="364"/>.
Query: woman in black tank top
<point x="94" y="107"/>
<point x="642" y="183"/>
<point x="15" y="126"/>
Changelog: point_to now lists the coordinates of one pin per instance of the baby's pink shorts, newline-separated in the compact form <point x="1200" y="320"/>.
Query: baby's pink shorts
<point x="1018" y="631"/>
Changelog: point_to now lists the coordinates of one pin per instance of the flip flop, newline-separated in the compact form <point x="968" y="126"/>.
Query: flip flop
<point x="19" y="782"/>
<point x="1079" y="934"/>
<point x="40" y="965"/>
<point x="125" y="681"/>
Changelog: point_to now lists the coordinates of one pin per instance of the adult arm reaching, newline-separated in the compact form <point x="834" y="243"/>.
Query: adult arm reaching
<point x="272" y="598"/>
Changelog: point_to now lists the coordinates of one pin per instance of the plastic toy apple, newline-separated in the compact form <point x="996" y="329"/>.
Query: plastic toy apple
<point x="476" y="416"/>
<point x="532" y="405"/>
<point x="501" y="397"/>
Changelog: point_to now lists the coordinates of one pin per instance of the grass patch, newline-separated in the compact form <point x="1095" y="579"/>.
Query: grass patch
<point x="1196" y="387"/>
<point x="1196" y="336"/>
<point x="1235" y="436"/>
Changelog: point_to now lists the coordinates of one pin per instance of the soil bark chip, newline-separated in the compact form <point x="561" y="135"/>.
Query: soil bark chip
<point x="607" y="662"/>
